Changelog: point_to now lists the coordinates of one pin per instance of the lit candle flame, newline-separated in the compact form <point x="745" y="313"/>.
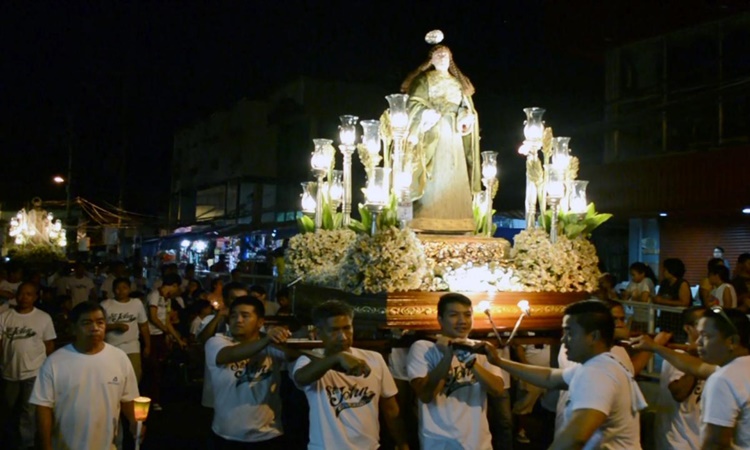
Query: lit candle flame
<point x="484" y="306"/>
<point x="524" y="305"/>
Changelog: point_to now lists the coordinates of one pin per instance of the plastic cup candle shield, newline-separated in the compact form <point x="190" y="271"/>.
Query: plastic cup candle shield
<point x="141" y="405"/>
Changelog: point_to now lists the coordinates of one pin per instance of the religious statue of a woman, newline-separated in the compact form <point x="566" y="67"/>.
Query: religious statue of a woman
<point x="442" y="144"/>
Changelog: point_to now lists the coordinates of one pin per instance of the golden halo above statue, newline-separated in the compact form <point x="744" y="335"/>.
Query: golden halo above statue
<point x="434" y="37"/>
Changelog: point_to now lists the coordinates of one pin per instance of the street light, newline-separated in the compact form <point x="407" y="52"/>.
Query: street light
<point x="58" y="179"/>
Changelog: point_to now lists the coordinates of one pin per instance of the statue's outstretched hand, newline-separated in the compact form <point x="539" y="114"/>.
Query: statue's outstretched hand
<point x="430" y="118"/>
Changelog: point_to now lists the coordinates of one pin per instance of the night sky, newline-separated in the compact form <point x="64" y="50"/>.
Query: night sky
<point x="114" y="80"/>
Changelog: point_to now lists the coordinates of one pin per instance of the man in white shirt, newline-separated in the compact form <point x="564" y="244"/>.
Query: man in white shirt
<point x="80" y="286"/>
<point x="724" y="338"/>
<point x="346" y="387"/>
<point x="117" y="269"/>
<point x="451" y="384"/>
<point x="678" y="419"/>
<point x="26" y="338"/>
<point x="82" y="388"/>
<point x="604" y="398"/>
<point x="159" y="305"/>
<point x="126" y="322"/>
<point x="246" y="380"/>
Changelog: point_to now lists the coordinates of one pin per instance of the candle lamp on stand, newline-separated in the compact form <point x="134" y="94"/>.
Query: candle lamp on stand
<point x="336" y="189"/>
<point x="555" y="188"/>
<point x="533" y="132"/>
<point x="321" y="162"/>
<point x="377" y="193"/>
<point x="308" y="198"/>
<point x="140" y="407"/>
<point x="371" y="141"/>
<point x="577" y="193"/>
<point x="489" y="178"/>
<point x="347" y="135"/>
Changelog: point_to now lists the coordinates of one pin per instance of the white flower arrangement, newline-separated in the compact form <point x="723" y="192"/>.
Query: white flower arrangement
<point x="317" y="257"/>
<point x="391" y="260"/>
<point x="569" y="265"/>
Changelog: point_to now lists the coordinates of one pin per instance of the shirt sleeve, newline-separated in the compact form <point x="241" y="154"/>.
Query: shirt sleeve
<point x="569" y="372"/>
<point x="301" y="362"/>
<point x="601" y="390"/>
<point x="213" y="346"/>
<point x="417" y="365"/>
<point x="388" y="386"/>
<point x="153" y="300"/>
<point x="48" y="332"/>
<point x="130" y="389"/>
<point x="719" y="403"/>
<point x="141" y="316"/>
<point x="43" y="393"/>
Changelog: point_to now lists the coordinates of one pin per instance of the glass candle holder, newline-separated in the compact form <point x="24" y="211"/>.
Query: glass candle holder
<point x="533" y="125"/>
<point x="348" y="129"/>
<point x="561" y="152"/>
<point x="371" y="135"/>
<point x="555" y="186"/>
<point x="322" y="156"/>
<point x="397" y="110"/>
<point x="376" y="191"/>
<point x="489" y="165"/>
<point x="308" y="197"/>
<point x="578" y="202"/>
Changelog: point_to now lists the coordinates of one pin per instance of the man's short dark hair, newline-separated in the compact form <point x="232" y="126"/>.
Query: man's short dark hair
<point x="451" y="298"/>
<point x="258" y="289"/>
<point x="260" y="309"/>
<point x="743" y="258"/>
<point x="228" y="288"/>
<point x="639" y="267"/>
<point x="740" y="324"/>
<point x="675" y="266"/>
<point x="120" y="280"/>
<point x="85" y="308"/>
<point x="27" y="283"/>
<point x="331" y="308"/>
<point x="713" y="262"/>
<point x="721" y="271"/>
<point x="691" y="316"/>
<point x="721" y="249"/>
<point x="594" y="315"/>
<point x="171" y="279"/>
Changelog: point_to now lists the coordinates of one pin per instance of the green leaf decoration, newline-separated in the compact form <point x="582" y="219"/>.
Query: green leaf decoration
<point x="305" y="225"/>
<point x="573" y="224"/>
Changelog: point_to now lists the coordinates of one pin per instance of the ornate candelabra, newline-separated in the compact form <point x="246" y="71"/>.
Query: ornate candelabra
<point x="348" y="135"/>
<point x="489" y="178"/>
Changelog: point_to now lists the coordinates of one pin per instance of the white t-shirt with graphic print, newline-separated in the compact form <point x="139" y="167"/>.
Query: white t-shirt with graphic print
<point x="85" y="392"/>
<point x="677" y="423"/>
<point x="247" y="402"/>
<point x="23" y="337"/>
<point x="457" y="417"/>
<point x="132" y="314"/>
<point x="344" y="410"/>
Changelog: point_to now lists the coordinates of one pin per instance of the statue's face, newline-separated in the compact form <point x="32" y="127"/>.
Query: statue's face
<point x="441" y="59"/>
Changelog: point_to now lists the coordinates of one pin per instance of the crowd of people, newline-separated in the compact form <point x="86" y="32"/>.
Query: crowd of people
<point x="75" y="354"/>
